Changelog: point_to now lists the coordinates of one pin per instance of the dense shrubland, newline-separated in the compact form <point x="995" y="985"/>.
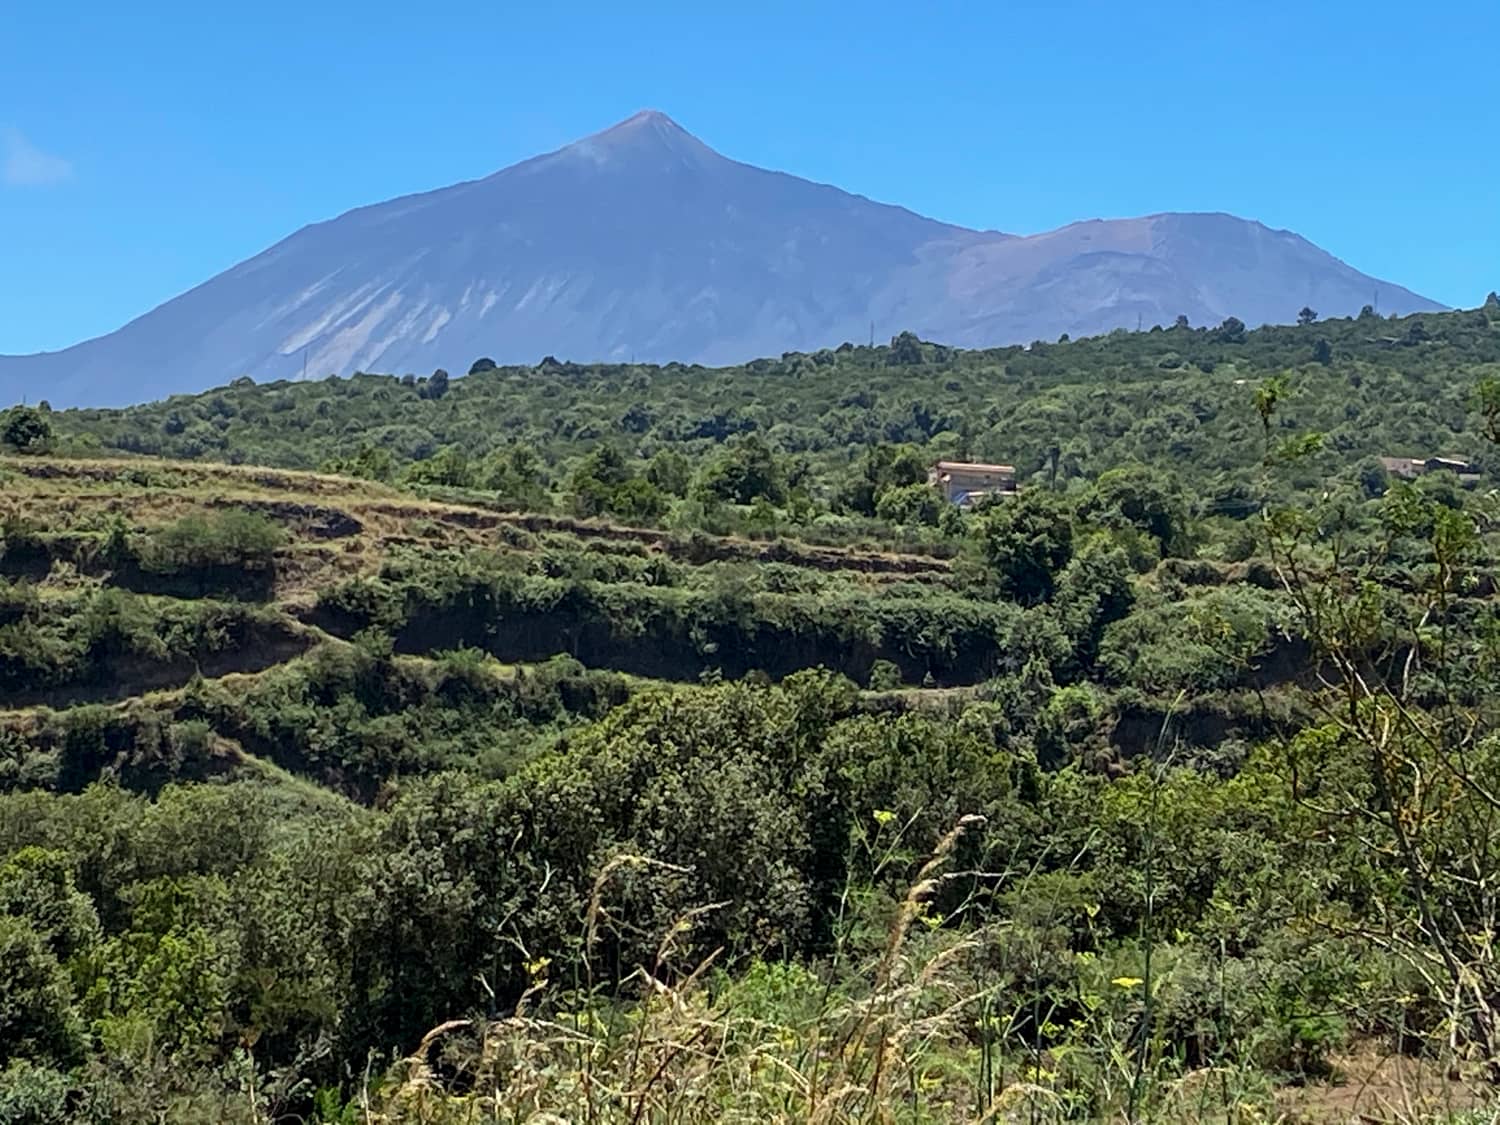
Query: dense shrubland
<point x="733" y="819"/>
<point x="1162" y="790"/>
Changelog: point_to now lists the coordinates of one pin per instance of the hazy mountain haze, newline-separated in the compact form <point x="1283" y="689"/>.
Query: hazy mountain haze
<point x="641" y="242"/>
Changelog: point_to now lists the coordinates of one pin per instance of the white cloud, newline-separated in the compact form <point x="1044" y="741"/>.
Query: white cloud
<point x="22" y="164"/>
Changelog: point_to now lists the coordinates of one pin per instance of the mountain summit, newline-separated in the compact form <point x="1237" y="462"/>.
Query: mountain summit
<point x="642" y="242"/>
<point x="648" y="129"/>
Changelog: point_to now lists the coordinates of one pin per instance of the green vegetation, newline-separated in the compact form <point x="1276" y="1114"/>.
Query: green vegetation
<point x="813" y="443"/>
<point x="661" y="747"/>
<point x="25" y="430"/>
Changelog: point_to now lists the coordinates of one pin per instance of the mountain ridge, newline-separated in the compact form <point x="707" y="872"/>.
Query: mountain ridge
<point x="641" y="241"/>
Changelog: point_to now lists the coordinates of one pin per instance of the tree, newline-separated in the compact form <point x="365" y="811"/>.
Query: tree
<point x="1146" y="498"/>
<point x="232" y="537"/>
<point x="604" y="464"/>
<point x="1400" y="777"/>
<point x="906" y="350"/>
<point x="34" y="1095"/>
<point x="910" y="504"/>
<point x="449" y="467"/>
<point x="26" y="430"/>
<point x="638" y="419"/>
<point x="1306" y="316"/>
<point x="1094" y="590"/>
<point x="591" y="493"/>
<point x="744" y="471"/>
<point x="437" y="386"/>
<point x="481" y="365"/>
<point x="670" y="471"/>
<point x="369" y="462"/>
<point x="1373" y="477"/>
<point x="1027" y="540"/>
<point x="1403" y="769"/>
<point x="638" y="500"/>
<point x="1232" y="331"/>
<point x="883" y="468"/>
<point x="885" y="675"/>
<point x="38" y="885"/>
<point x="167" y="970"/>
<point x="1492" y="302"/>
<point x="1181" y="322"/>
<point x="1323" y="351"/>
<point x="515" y="476"/>
<point x="603" y="482"/>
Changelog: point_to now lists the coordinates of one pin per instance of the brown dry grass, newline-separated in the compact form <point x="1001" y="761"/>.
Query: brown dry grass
<point x="1372" y="1085"/>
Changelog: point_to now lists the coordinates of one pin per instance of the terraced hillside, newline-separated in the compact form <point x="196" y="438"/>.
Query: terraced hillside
<point x="174" y="606"/>
<point x="325" y="798"/>
<point x="185" y="593"/>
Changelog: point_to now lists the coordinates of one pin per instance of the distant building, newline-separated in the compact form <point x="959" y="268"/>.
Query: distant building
<point x="966" y="483"/>
<point x="1412" y="467"/>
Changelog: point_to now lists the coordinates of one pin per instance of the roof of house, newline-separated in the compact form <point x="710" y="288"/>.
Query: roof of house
<point x="1413" y="464"/>
<point x="971" y="467"/>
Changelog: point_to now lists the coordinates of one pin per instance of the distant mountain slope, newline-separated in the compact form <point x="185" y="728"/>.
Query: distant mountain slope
<point x="643" y="242"/>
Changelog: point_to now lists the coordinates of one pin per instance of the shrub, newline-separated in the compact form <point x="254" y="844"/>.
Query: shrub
<point x="33" y="1095"/>
<point x="233" y="537"/>
<point x="37" y="1017"/>
<point x="885" y="675"/>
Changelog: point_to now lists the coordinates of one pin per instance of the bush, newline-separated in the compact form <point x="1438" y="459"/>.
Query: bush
<point x="449" y="467"/>
<point x="885" y="675"/>
<point x="33" y="1095"/>
<point x="37" y="1017"/>
<point x="233" y="537"/>
<point x="1207" y="642"/>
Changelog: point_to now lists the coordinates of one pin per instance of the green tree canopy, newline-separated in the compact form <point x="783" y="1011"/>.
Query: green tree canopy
<point x="1150" y="499"/>
<point x="25" y="429"/>
<point x="1027" y="540"/>
<point x="744" y="471"/>
<point x="1232" y="331"/>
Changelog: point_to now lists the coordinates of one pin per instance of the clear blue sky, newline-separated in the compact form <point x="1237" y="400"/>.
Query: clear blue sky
<point x="145" y="147"/>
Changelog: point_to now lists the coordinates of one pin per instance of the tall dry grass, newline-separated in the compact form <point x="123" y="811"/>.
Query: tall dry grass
<point x="918" y="1032"/>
